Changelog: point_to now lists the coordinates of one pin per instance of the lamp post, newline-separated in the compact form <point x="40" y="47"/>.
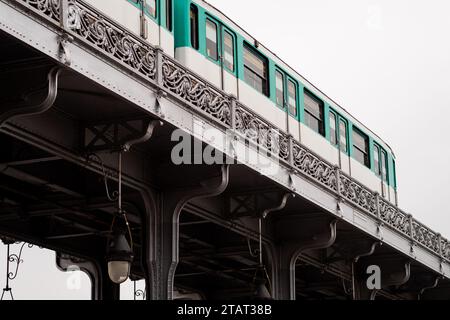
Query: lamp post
<point x="119" y="251"/>
<point x="260" y="279"/>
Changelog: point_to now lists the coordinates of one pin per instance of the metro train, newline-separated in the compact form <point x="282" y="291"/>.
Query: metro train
<point x="205" y="40"/>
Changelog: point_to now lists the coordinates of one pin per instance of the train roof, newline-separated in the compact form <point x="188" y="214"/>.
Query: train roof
<point x="303" y="79"/>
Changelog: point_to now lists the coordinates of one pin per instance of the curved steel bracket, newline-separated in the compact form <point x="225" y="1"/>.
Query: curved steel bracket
<point x="312" y="245"/>
<point x="434" y="285"/>
<point x="281" y="206"/>
<point x="395" y="282"/>
<point x="368" y="253"/>
<point x="42" y="107"/>
<point x="407" y="273"/>
<point x="402" y="279"/>
<point x="165" y="221"/>
<point x="147" y="135"/>
<point x="203" y="191"/>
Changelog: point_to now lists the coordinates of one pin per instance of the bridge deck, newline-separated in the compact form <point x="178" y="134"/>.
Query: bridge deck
<point x="120" y="83"/>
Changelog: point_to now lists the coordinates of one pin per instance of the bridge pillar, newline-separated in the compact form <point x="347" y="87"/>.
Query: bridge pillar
<point x="287" y="252"/>
<point x="284" y="272"/>
<point x="161" y="232"/>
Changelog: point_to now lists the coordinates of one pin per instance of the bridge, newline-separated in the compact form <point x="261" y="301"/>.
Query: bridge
<point x="87" y="106"/>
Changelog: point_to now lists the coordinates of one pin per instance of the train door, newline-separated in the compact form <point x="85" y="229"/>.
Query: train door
<point x="228" y="61"/>
<point x="381" y="170"/>
<point x="221" y="50"/>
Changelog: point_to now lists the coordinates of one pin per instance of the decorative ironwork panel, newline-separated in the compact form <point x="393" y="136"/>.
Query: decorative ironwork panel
<point x="445" y="245"/>
<point x="255" y="129"/>
<point x="311" y="165"/>
<point x="284" y="151"/>
<point x="394" y="217"/>
<point x="425" y="236"/>
<point x="13" y="262"/>
<point x="356" y="193"/>
<point x="103" y="33"/>
<point x="138" y="293"/>
<point x="49" y="8"/>
<point x="196" y="91"/>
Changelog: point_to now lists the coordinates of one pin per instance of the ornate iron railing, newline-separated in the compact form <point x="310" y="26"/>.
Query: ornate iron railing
<point x="192" y="89"/>
<point x="47" y="8"/>
<point x="100" y="33"/>
<point x="111" y="38"/>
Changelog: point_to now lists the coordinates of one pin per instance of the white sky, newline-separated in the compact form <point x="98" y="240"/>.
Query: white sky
<point x="387" y="62"/>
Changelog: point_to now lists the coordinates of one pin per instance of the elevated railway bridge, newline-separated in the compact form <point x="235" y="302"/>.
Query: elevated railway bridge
<point x="79" y="91"/>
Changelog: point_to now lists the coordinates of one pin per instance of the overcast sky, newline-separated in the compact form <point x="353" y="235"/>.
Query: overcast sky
<point x="387" y="62"/>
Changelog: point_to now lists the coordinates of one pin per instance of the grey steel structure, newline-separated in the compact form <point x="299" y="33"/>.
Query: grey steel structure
<point x="77" y="88"/>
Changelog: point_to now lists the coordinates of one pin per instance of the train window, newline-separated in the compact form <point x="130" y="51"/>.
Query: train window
<point x="292" y="91"/>
<point x="333" y="129"/>
<point x="280" y="88"/>
<point x="194" y="26"/>
<point x="314" y="113"/>
<point x="150" y="7"/>
<point x="343" y="135"/>
<point x="169" y="24"/>
<point x="384" y="163"/>
<point x="228" y="50"/>
<point x="255" y="70"/>
<point x="376" y="159"/>
<point x="361" y="147"/>
<point x="211" y="40"/>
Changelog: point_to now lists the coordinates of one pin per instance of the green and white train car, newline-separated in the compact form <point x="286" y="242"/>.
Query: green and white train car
<point x="208" y="42"/>
<point x="205" y="40"/>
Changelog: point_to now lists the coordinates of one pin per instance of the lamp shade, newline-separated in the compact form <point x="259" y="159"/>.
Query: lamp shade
<point x="118" y="271"/>
<point x="119" y="258"/>
<point x="262" y="293"/>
